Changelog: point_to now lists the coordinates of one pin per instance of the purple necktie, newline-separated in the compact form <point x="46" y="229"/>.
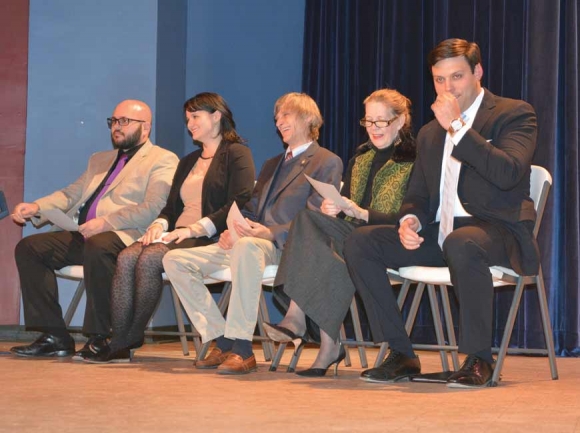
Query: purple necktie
<point x="92" y="213"/>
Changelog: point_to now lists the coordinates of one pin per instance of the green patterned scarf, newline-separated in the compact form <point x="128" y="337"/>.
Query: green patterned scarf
<point x="389" y="185"/>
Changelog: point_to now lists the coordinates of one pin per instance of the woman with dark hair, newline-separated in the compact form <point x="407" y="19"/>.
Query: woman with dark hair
<point x="317" y="292"/>
<point x="205" y="185"/>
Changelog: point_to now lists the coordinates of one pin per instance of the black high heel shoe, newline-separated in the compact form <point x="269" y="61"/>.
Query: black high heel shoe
<point x="280" y="334"/>
<point x="283" y="335"/>
<point x="319" y="372"/>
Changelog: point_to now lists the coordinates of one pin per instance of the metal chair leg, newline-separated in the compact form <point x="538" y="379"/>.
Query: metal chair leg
<point x="548" y="335"/>
<point x="438" y="325"/>
<point x="508" y="331"/>
<point x="180" y="324"/>
<point x="74" y="303"/>
<point x="358" y="332"/>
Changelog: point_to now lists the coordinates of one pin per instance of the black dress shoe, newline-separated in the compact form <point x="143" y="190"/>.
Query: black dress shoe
<point x="107" y="356"/>
<point x="474" y="373"/>
<point x="397" y="367"/>
<point x="47" y="345"/>
<point x="95" y="344"/>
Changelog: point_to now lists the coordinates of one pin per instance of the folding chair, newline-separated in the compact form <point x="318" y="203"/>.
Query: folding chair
<point x="539" y="188"/>
<point x="76" y="273"/>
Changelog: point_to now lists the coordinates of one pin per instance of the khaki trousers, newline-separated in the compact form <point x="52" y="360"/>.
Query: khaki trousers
<point x="186" y="268"/>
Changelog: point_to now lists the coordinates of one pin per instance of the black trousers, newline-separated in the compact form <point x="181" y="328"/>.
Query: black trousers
<point x="38" y="256"/>
<point x="469" y="251"/>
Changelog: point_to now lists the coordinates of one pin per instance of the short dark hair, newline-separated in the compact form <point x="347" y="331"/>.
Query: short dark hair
<point x="454" y="48"/>
<point x="212" y="102"/>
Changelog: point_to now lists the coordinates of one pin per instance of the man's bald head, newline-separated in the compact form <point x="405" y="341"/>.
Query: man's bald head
<point x="139" y="127"/>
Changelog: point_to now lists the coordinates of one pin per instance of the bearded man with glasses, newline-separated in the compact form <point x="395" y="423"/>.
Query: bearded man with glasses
<point x="113" y="202"/>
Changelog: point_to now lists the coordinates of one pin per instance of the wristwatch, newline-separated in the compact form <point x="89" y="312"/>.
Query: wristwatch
<point x="456" y="125"/>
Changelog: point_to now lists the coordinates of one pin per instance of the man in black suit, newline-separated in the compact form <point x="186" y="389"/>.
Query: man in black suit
<point x="467" y="207"/>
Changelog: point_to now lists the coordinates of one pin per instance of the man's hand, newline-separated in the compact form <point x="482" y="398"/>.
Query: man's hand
<point x="178" y="235"/>
<point x="328" y="207"/>
<point x="23" y="211"/>
<point x="94" y="227"/>
<point x="256" y="230"/>
<point x="408" y="233"/>
<point x="225" y="242"/>
<point x="152" y="233"/>
<point x="446" y="108"/>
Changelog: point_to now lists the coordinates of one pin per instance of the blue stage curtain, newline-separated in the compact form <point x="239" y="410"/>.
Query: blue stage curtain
<point x="530" y="51"/>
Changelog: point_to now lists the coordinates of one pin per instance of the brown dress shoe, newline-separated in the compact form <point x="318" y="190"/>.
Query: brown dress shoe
<point x="235" y="364"/>
<point x="213" y="360"/>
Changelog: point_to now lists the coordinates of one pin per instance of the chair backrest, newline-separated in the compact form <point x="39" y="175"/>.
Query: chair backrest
<point x="540" y="183"/>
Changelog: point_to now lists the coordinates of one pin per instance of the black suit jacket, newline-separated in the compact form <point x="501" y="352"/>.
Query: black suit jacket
<point x="494" y="184"/>
<point x="229" y="177"/>
<point x="293" y="193"/>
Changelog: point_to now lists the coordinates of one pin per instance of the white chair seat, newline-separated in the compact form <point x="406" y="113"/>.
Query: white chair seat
<point x="75" y="272"/>
<point x="441" y="276"/>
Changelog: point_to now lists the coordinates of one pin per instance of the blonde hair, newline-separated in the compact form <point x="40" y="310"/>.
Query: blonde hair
<point x="401" y="105"/>
<point x="305" y="107"/>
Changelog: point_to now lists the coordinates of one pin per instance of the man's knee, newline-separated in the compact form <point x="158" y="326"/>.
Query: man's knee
<point x="173" y="262"/>
<point x="101" y="247"/>
<point x="23" y="249"/>
<point x="460" y="249"/>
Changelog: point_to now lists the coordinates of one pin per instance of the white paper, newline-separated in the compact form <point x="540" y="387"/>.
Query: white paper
<point x="58" y="218"/>
<point x="235" y="215"/>
<point x="327" y="190"/>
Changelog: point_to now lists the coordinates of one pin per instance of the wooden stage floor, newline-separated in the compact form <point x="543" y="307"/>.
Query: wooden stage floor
<point x="160" y="391"/>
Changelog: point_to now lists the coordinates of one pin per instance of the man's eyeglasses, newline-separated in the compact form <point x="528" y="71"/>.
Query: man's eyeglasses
<point x="378" y="123"/>
<point x="123" y="121"/>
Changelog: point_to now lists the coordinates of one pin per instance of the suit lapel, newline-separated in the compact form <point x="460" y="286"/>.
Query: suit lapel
<point x="98" y="177"/>
<point x="484" y="113"/>
<point x="297" y="169"/>
<point x="266" y="188"/>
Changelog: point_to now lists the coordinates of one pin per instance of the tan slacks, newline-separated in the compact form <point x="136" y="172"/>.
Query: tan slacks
<point x="186" y="268"/>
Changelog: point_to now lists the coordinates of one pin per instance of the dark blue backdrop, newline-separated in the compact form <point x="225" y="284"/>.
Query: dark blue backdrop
<point x="530" y="51"/>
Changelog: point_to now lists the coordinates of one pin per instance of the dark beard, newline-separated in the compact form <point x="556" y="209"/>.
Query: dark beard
<point x="129" y="141"/>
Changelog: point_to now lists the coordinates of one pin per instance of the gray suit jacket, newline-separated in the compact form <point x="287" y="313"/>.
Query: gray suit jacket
<point x="131" y="202"/>
<point x="293" y="193"/>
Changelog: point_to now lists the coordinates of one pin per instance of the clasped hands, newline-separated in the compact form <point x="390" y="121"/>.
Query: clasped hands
<point x="178" y="235"/>
<point x="255" y="230"/>
<point x="330" y="208"/>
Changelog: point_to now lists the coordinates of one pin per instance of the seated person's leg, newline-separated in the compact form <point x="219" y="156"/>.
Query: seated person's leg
<point x="469" y="252"/>
<point x="369" y="251"/>
<point x="249" y="257"/>
<point x="186" y="269"/>
<point x="37" y="257"/>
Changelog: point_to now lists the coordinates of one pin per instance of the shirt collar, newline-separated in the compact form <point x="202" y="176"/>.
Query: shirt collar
<point x="298" y="150"/>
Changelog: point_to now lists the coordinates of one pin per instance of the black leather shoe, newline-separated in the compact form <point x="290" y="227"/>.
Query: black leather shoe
<point x="47" y="345"/>
<point x="95" y="344"/>
<point x="397" y="367"/>
<point x="106" y="356"/>
<point x="474" y="373"/>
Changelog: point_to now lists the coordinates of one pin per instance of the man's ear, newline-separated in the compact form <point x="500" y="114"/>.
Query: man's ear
<point x="478" y="71"/>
